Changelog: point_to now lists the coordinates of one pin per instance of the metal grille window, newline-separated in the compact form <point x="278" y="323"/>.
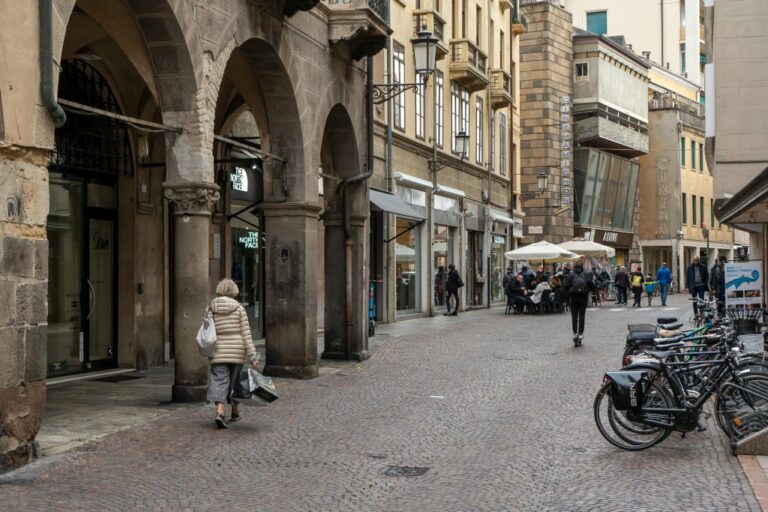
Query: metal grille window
<point x="479" y="130"/>
<point x="503" y="144"/>
<point x="420" y="101"/>
<point x="398" y="56"/>
<point x="90" y="142"/>
<point x="439" y="107"/>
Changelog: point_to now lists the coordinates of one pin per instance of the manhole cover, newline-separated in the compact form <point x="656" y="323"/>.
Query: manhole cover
<point x="404" y="471"/>
<point x="117" y="378"/>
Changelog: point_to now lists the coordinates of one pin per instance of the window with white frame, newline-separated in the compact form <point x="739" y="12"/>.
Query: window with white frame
<point x="502" y="144"/>
<point x="398" y="56"/>
<point x="582" y="71"/>
<point x="439" y="107"/>
<point x="479" y="130"/>
<point x="459" y="112"/>
<point x="420" y="101"/>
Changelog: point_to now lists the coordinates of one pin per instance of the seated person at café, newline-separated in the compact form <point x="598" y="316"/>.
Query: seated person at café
<point x="539" y="290"/>
<point x="516" y="293"/>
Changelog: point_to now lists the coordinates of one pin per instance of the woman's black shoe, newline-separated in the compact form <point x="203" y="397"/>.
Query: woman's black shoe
<point x="220" y="421"/>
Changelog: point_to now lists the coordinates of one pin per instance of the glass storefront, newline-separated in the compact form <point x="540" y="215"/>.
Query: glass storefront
<point x="407" y="265"/>
<point x="475" y="279"/>
<point x="442" y="254"/>
<point x="247" y="268"/>
<point x="81" y="267"/>
<point x="498" y="267"/>
<point x="606" y="189"/>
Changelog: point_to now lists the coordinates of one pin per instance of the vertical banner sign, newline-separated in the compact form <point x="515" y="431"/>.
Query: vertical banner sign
<point x="744" y="284"/>
<point x="565" y="146"/>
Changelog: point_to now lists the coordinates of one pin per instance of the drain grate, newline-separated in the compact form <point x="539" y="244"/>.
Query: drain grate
<point x="117" y="378"/>
<point x="404" y="471"/>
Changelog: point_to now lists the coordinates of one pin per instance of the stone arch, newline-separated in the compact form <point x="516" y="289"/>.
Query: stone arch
<point x="344" y="223"/>
<point x="166" y="63"/>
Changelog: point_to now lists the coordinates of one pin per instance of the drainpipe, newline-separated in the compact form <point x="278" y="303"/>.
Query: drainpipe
<point x="46" y="63"/>
<point x="389" y="123"/>
<point x="345" y="201"/>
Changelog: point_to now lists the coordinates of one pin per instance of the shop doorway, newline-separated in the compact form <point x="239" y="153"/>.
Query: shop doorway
<point x="90" y="153"/>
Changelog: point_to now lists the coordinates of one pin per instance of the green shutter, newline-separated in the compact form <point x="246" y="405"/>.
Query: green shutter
<point x="682" y="151"/>
<point x="693" y="210"/>
<point x="685" y="208"/>
<point x="693" y="155"/>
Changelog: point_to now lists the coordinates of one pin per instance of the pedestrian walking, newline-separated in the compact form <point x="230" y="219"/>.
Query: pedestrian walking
<point x="717" y="284"/>
<point x="650" y="287"/>
<point x="696" y="279"/>
<point x="234" y="347"/>
<point x="637" y="287"/>
<point x="621" y="282"/>
<point x="452" y="285"/>
<point x="509" y="277"/>
<point x="663" y="278"/>
<point x="605" y="278"/>
<point x="440" y="286"/>
<point x="578" y="284"/>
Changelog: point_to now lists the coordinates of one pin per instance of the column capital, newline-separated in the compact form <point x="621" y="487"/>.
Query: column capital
<point x="192" y="198"/>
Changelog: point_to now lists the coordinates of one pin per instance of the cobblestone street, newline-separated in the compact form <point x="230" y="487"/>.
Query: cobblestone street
<point x="499" y="409"/>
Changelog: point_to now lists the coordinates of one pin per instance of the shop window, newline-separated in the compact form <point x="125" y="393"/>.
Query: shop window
<point x="406" y="265"/>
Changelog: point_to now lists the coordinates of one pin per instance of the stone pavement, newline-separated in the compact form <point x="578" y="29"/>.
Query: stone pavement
<point x="498" y="408"/>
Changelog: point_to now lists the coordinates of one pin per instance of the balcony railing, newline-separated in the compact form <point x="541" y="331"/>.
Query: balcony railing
<point x="468" y="65"/>
<point x="431" y="21"/>
<point x="671" y="101"/>
<point x="501" y="88"/>
<point x="519" y="24"/>
<point x="362" y="25"/>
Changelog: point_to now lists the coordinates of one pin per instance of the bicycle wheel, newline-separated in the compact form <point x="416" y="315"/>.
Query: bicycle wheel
<point x="621" y="431"/>
<point x="742" y="411"/>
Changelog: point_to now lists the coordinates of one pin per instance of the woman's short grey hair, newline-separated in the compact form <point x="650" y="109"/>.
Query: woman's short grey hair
<point x="227" y="288"/>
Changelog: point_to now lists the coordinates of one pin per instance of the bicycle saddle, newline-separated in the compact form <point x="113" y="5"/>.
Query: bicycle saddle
<point x="673" y="326"/>
<point x="661" y="354"/>
<point x="666" y="320"/>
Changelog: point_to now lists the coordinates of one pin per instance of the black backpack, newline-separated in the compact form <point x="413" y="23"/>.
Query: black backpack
<point x="579" y="284"/>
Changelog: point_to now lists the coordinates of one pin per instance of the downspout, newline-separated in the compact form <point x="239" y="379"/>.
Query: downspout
<point x="46" y="63"/>
<point x="661" y="4"/>
<point x="389" y="123"/>
<point x="345" y="201"/>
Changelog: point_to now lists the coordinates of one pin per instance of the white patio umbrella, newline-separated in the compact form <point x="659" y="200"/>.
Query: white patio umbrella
<point x="588" y="248"/>
<point x="543" y="251"/>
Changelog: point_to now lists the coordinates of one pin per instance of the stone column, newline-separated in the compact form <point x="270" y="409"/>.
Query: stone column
<point x="291" y="284"/>
<point x="192" y="204"/>
<point x="23" y="301"/>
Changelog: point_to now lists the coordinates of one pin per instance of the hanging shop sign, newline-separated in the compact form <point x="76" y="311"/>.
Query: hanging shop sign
<point x="744" y="284"/>
<point x="246" y="183"/>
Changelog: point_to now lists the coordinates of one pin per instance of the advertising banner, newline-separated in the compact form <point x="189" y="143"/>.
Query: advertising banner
<point x="744" y="284"/>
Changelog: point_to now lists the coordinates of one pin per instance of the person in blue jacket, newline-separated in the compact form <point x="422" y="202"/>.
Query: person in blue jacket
<point x="696" y="280"/>
<point x="663" y="278"/>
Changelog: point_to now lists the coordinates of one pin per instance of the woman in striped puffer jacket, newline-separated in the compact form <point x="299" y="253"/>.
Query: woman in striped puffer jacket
<point x="234" y="347"/>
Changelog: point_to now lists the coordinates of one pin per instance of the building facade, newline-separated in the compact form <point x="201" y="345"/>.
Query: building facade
<point x="430" y="205"/>
<point x="610" y="132"/>
<point x="737" y="99"/>
<point x="670" y="33"/>
<point x="147" y="151"/>
<point x="677" y="191"/>
<point x="546" y="85"/>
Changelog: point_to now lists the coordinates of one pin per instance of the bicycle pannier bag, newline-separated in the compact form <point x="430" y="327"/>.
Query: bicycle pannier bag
<point x="206" y="335"/>
<point x="626" y="389"/>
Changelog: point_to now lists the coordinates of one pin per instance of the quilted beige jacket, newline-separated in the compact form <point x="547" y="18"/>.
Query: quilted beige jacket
<point x="233" y="334"/>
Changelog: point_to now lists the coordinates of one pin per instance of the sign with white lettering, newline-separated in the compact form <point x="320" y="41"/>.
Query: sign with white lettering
<point x="535" y="230"/>
<point x="610" y="237"/>
<point x="744" y="284"/>
<point x="239" y="180"/>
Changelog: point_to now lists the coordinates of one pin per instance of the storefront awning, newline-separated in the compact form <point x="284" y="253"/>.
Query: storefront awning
<point x="413" y="181"/>
<point x="450" y="192"/>
<point x="748" y="206"/>
<point x="390" y="203"/>
<point x="497" y="217"/>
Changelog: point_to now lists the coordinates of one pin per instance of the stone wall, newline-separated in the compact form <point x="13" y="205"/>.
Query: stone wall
<point x="23" y="300"/>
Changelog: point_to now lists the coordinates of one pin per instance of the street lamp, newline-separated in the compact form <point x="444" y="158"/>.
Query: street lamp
<point x="462" y="144"/>
<point x="542" y="180"/>
<point x="424" y="52"/>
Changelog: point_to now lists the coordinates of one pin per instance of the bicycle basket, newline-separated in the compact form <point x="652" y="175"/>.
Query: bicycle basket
<point x="626" y="389"/>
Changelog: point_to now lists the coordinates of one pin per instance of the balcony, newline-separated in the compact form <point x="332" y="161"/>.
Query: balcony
<point x="501" y="88"/>
<point x="519" y="24"/>
<point x="430" y="20"/>
<point x="291" y="7"/>
<point x="359" y="27"/>
<point x="469" y="66"/>
<point x="506" y="4"/>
